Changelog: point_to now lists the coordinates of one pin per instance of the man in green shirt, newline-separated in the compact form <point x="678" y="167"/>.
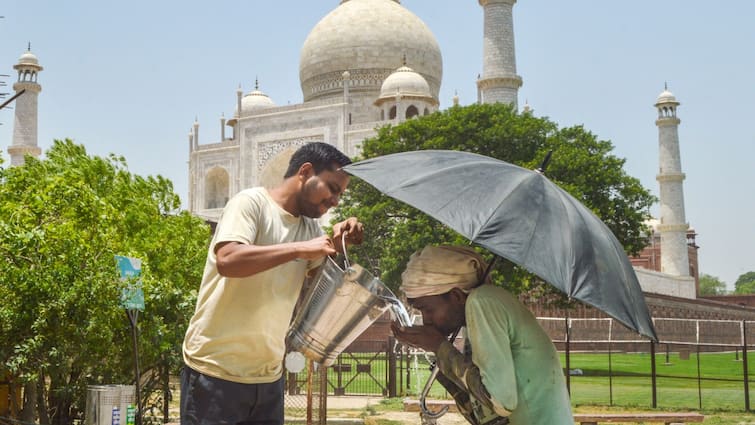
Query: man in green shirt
<point x="509" y="371"/>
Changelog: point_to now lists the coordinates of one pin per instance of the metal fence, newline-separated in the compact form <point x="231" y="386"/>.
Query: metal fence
<point x="366" y="368"/>
<point x="704" y="362"/>
<point x="696" y="364"/>
<point x="305" y="399"/>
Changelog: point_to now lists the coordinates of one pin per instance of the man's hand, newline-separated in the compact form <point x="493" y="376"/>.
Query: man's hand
<point x="315" y="248"/>
<point x="425" y="337"/>
<point x="353" y="229"/>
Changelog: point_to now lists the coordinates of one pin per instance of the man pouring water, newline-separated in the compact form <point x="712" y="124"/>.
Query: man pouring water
<point x="266" y="241"/>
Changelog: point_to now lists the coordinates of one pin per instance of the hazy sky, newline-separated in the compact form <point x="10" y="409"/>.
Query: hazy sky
<point x="130" y="77"/>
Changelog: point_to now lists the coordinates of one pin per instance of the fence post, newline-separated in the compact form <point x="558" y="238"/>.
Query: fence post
<point x="323" y="391"/>
<point x="653" y="374"/>
<point x="391" y="367"/>
<point x="408" y="363"/>
<point x="610" y="375"/>
<point x="339" y="390"/>
<point x="699" y="380"/>
<point x="566" y="353"/>
<point x="399" y="353"/>
<point x="310" y="366"/>
<point x="744" y="366"/>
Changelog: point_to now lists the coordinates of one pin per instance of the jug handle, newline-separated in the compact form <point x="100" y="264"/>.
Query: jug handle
<point x="346" y="262"/>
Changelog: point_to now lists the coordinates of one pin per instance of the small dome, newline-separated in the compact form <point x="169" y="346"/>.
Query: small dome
<point x="666" y="97"/>
<point x="406" y="82"/>
<point x="28" y="58"/>
<point x="255" y="101"/>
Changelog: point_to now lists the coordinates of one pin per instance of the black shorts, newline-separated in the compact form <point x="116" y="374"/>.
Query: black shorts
<point x="206" y="400"/>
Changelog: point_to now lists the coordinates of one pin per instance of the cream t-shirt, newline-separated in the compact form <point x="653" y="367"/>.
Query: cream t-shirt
<point x="238" y="329"/>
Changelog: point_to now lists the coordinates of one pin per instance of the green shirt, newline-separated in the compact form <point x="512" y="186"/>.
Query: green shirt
<point x="514" y="368"/>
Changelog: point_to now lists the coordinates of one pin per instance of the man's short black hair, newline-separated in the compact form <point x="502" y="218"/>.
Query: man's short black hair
<point x="322" y="156"/>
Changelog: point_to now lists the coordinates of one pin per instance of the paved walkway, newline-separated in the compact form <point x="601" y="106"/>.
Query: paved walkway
<point x="355" y="410"/>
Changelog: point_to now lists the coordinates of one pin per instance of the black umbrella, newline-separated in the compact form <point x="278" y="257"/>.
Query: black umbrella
<point x="522" y="216"/>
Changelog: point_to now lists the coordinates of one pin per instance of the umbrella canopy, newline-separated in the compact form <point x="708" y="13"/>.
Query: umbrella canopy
<point x="522" y="216"/>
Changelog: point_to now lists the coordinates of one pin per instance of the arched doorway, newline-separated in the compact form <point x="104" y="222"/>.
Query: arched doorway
<point x="216" y="188"/>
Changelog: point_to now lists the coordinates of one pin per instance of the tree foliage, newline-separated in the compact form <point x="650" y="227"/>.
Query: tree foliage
<point x="745" y="283"/>
<point x="581" y="164"/>
<point x="62" y="220"/>
<point x="711" y="285"/>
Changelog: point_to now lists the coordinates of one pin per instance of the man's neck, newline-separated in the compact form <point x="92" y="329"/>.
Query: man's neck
<point x="285" y="196"/>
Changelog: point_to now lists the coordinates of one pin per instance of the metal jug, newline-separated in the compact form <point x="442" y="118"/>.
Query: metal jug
<point x="340" y="304"/>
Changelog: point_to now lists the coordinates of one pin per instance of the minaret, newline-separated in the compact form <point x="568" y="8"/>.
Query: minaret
<point x="25" y="123"/>
<point x="499" y="82"/>
<point x="673" y="227"/>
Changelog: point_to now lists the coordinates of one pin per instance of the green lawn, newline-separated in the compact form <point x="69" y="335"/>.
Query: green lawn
<point x="712" y="365"/>
<point x="721" y="386"/>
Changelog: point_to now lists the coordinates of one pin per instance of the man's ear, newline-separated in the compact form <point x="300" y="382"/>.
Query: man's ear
<point x="458" y="296"/>
<point x="306" y="171"/>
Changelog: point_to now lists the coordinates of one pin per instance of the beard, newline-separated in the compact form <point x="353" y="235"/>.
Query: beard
<point x="309" y="208"/>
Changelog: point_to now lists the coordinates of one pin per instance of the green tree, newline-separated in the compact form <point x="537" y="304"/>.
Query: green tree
<point x="581" y="164"/>
<point x="62" y="220"/>
<point x="711" y="285"/>
<point x="745" y="284"/>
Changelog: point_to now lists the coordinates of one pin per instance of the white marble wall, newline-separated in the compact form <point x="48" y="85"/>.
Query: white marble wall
<point x="267" y="140"/>
<point x="673" y="227"/>
<point x="665" y="284"/>
<point x="499" y="82"/>
<point x="25" y="123"/>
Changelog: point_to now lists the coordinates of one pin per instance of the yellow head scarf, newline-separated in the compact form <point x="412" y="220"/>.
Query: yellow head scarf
<point x="435" y="270"/>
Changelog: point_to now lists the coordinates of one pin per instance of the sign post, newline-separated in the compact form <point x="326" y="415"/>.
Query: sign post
<point x="132" y="299"/>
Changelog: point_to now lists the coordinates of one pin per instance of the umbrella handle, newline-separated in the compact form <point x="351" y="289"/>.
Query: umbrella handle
<point x="544" y="164"/>
<point x="487" y="271"/>
<point x="426" y="412"/>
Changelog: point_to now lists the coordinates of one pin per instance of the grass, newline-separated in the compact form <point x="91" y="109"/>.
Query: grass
<point x="712" y="417"/>
<point x="712" y="365"/>
<point x="590" y="392"/>
<point x="378" y="414"/>
<point x="721" y="386"/>
<point x="629" y="390"/>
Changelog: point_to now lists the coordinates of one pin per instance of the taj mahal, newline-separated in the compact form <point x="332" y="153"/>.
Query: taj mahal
<point x="367" y="64"/>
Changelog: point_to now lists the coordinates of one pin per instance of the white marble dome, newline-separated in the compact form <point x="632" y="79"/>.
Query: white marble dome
<point x="28" y="58"/>
<point x="255" y="101"/>
<point x="406" y="82"/>
<point x="368" y="38"/>
<point x="666" y="97"/>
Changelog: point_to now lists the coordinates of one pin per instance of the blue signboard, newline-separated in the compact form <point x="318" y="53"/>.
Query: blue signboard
<point x="132" y="296"/>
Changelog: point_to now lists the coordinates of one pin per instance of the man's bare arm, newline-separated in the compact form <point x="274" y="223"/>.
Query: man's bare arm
<point x="235" y="259"/>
